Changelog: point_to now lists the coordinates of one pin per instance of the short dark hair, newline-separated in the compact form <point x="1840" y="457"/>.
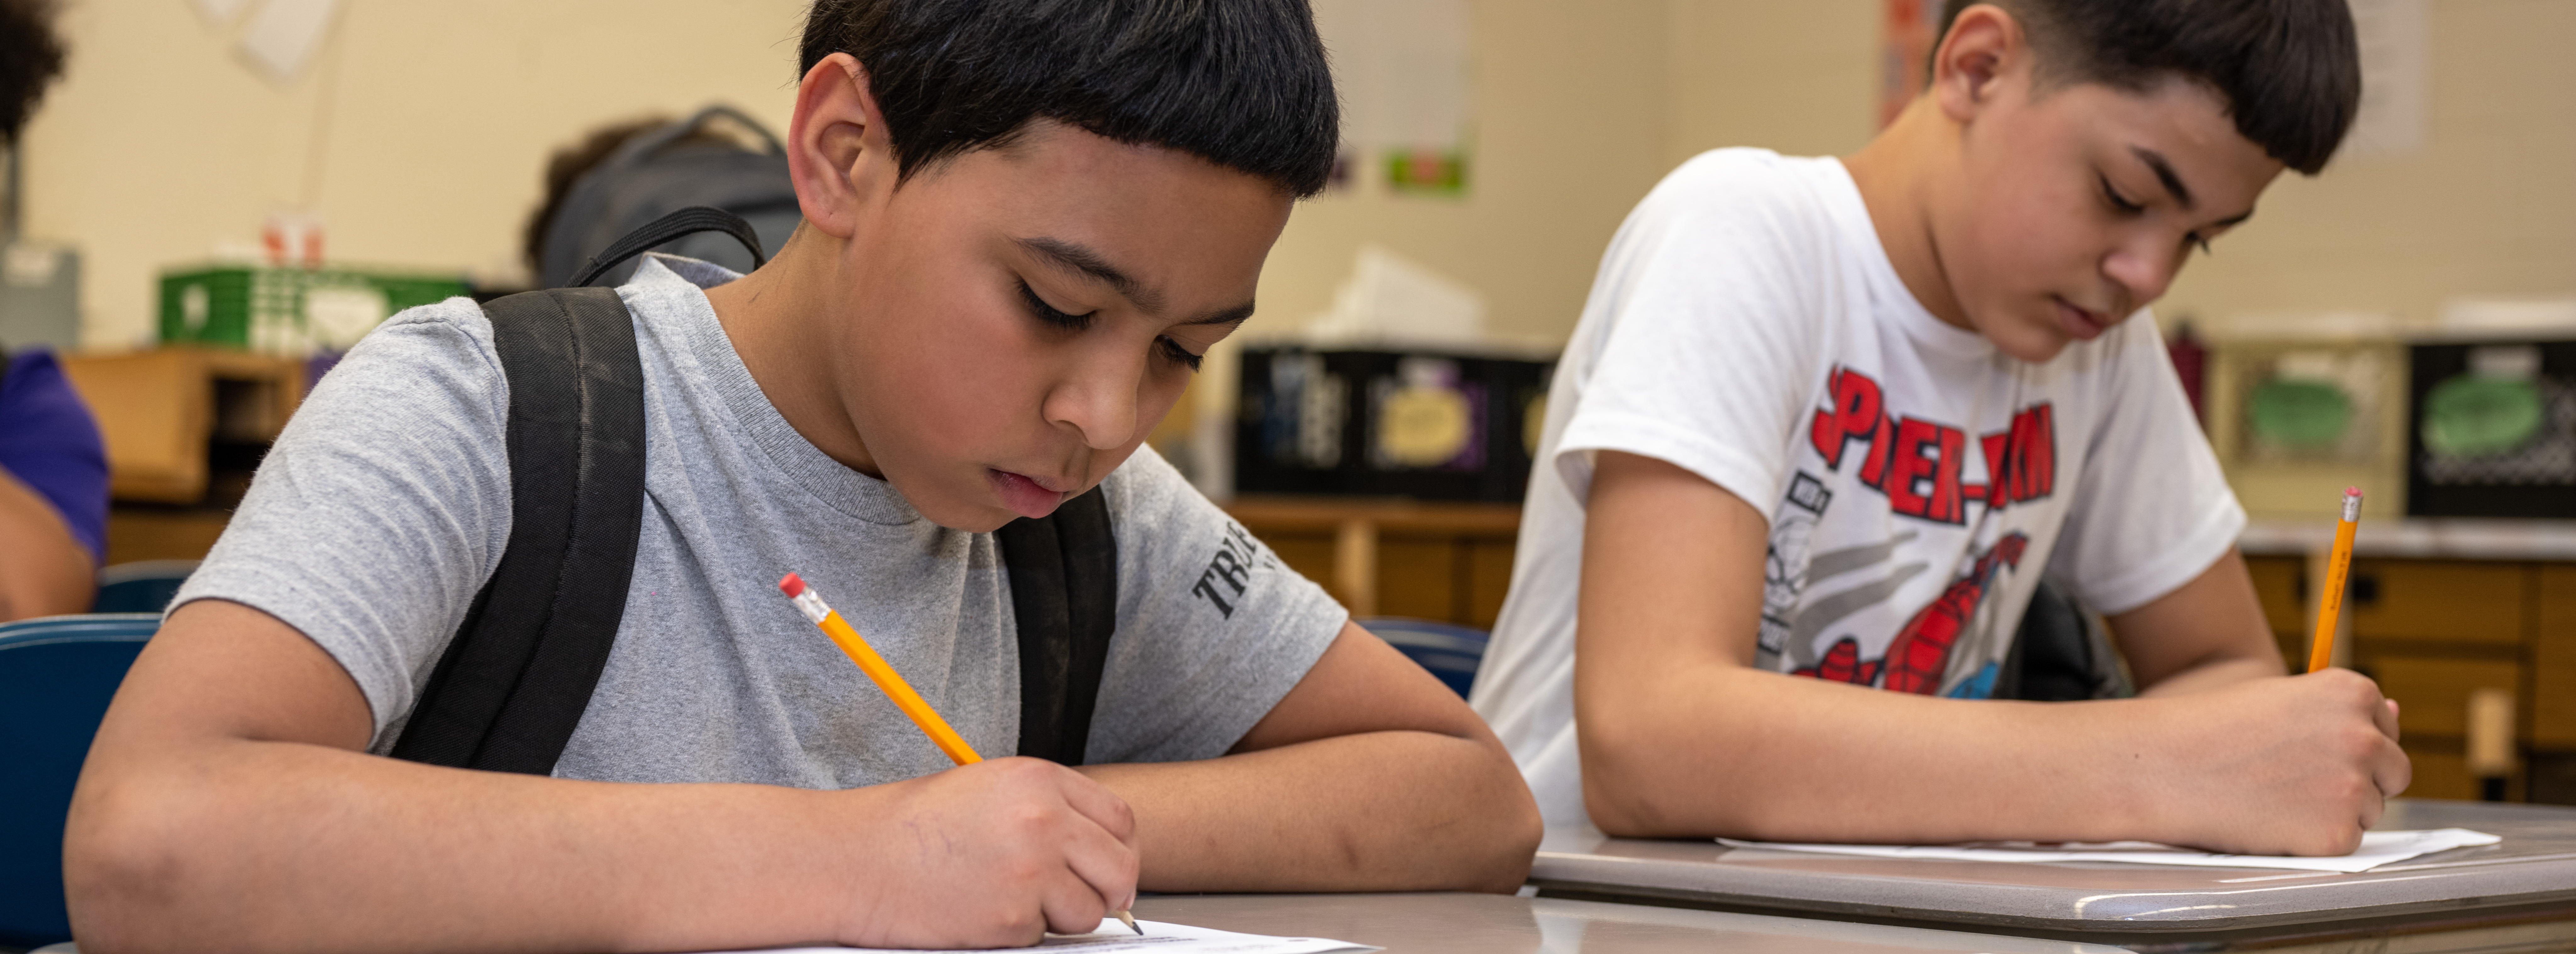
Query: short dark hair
<point x="30" y="57"/>
<point x="1240" y="83"/>
<point x="2290" y="70"/>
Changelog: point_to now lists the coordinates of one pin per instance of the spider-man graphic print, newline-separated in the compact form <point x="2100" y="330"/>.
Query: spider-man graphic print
<point x="1917" y="478"/>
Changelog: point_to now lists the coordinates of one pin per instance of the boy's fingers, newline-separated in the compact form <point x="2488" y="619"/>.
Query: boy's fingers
<point x="2391" y="771"/>
<point x="2386" y="717"/>
<point x="1072" y="905"/>
<point x="1102" y="806"/>
<point x="1108" y="865"/>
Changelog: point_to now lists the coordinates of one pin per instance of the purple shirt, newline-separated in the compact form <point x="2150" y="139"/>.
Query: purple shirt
<point x="49" y="441"/>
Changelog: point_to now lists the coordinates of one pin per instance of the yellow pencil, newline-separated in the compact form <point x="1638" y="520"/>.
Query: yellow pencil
<point x="879" y="672"/>
<point x="2321" y="648"/>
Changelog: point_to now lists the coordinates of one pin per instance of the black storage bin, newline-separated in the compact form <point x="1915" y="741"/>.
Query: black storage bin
<point x="2491" y="429"/>
<point x="1429" y="426"/>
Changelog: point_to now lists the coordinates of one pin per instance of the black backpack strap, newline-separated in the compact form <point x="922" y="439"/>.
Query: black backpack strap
<point x="688" y="221"/>
<point x="519" y="673"/>
<point x="1064" y="591"/>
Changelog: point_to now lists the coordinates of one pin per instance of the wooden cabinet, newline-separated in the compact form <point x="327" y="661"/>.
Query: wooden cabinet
<point x="2280" y="587"/>
<point x="2553" y="660"/>
<point x="183" y="427"/>
<point x="2434" y="631"/>
<point x="160" y="409"/>
<point x="2454" y="603"/>
<point x="1449" y="562"/>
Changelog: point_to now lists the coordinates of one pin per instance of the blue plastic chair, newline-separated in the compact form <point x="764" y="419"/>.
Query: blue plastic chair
<point x="57" y="674"/>
<point x="1450" y="652"/>
<point x="143" y="586"/>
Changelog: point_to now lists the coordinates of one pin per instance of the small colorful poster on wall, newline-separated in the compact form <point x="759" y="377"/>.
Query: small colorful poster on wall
<point x="1427" y="171"/>
<point x="1402" y="67"/>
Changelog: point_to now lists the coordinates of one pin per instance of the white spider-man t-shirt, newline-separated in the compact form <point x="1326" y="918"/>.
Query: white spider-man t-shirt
<point x="1747" y="326"/>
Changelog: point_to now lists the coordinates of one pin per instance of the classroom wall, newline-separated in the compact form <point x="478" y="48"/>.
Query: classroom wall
<point x="2487" y="208"/>
<point x="1569" y="110"/>
<point x="420" y="132"/>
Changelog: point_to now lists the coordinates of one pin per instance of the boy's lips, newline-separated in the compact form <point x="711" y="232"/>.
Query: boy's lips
<point x="1022" y="494"/>
<point x="2080" y="323"/>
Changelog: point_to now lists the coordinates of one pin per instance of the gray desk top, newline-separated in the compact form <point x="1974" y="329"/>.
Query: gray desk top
<point x="1501" y="924"/>
<point x="2531" y="875"/>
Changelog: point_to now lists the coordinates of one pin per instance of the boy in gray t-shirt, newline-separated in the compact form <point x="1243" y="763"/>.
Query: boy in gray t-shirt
<point x="1023" y="228"/>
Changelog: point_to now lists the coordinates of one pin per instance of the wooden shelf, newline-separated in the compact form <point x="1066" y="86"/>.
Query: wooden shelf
<point x="1452" y="562"/>
<point x="1389" y="514"/>
<point x="159" y="408"/>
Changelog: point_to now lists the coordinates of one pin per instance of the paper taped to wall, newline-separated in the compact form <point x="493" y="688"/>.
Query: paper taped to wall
<point x="2377" y="848"/>
<point x="1160" y="938"/>
<point x="282" y="36"/>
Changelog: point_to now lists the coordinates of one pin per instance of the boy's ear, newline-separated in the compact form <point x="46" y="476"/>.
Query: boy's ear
<point x="838" y="151"/>
<point x="1983" y="46"/>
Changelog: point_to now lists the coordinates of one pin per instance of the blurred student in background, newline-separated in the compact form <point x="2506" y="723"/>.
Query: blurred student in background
<point x="53" y="466"/>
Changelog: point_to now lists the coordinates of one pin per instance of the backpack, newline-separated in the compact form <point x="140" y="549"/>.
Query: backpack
<point x="513" y="683"/>
<point x="2060" y="655"/>
<point x="664" y="170"/>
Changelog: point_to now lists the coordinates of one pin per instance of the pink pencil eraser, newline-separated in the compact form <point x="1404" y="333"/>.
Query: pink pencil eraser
<point x="794" y="585"/>
<point x="2352" y="491"/>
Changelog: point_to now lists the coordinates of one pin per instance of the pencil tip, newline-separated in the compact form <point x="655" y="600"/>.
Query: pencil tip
<point x="1130" y="921"/>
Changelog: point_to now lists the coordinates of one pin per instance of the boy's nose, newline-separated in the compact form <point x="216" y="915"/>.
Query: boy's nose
<point x="2143" y="269"/>
<point x="1098" y="400"/>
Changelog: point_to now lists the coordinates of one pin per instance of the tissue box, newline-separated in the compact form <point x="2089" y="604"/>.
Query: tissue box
<point x="1433" y="426"/>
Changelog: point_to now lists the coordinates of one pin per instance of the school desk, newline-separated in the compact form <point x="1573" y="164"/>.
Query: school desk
<point x="1502" y="924"/>
<point x="2516" y="896"/>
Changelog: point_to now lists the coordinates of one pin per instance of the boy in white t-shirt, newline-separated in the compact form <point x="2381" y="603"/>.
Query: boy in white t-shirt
<point x="1826" y="424"/>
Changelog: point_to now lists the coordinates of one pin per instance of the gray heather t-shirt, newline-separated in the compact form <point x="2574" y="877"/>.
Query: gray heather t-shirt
<point x="386" y="504"/>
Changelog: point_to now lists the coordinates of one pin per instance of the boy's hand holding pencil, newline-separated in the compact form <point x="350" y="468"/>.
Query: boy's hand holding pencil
<point x="1012" y="832"/>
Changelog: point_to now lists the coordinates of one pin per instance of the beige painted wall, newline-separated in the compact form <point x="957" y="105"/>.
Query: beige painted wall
<point x="439" y="117"/>
<point x="426" y="150"/>
<point x="2488" y="207"/>
<point x="1569" y="114"/>
<point x="1799" y="78"/>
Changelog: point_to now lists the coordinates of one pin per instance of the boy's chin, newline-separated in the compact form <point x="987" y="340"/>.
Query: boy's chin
<point x="2030" y="342"/>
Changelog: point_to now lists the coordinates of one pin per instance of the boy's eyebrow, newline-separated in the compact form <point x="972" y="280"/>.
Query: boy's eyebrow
<point x="2165" y="174"/>
<point x="1082" y="259"/>
<point x="1224" y="316"/>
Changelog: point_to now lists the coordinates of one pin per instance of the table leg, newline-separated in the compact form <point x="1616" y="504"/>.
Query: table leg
<point x="1355" y="565"/>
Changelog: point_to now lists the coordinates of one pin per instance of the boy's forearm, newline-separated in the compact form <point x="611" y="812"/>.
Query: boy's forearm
<point x="2216" y="673"/>
<point x="1722" y="750"/>
<point x="1379" y="811"/>
<point x="273" y="846"/>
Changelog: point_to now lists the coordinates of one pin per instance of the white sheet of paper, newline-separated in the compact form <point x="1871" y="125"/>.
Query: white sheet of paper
<point x="1160" y="938"/>
<point x="2396" y="88"/>
<point x="2377" y="848"/>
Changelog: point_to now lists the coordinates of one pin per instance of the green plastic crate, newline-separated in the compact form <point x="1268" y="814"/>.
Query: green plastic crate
<point x="289" y="310"/>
